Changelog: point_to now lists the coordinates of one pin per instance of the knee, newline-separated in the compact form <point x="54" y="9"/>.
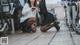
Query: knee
<point x="33" y="27"/>
<point x="43" y="29"/>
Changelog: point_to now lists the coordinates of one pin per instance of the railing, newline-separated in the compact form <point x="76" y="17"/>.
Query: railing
<point x="72" y="13"/>
<point x="5" y="15"/>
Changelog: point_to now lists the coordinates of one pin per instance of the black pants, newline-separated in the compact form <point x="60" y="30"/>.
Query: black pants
<point x="24" y="26"/>
<point x="47" y="18"/>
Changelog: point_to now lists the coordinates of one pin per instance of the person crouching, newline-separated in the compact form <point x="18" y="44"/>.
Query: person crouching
<point x="28" y="19"/>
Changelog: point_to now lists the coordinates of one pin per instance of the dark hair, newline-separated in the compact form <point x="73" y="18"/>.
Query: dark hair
<point x="30" y="3"/>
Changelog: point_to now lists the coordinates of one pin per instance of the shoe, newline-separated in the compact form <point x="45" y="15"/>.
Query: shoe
<point x="57" y="27"/>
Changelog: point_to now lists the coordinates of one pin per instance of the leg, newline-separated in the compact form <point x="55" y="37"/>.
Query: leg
<point x="57" y="26"/>
<point x="48" y="26"/>
<point x="24" y="27"/>
<point x="48" y="22"/>
<point x="32" y="24"/>
<point x="33" y="27"/>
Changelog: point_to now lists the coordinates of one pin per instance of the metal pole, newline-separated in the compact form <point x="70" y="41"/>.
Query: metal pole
<point x="12" y="23"/>
<point x="74" y="14"/>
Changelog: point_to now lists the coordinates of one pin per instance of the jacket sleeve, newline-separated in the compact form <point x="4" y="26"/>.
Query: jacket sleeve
<point x="26" y="9"/>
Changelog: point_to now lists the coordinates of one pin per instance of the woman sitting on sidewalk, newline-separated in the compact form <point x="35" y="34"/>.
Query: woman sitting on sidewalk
<point x="28" y="20"/>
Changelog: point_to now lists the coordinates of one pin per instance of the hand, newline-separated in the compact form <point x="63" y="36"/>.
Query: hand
<point x="37" y="9"/>
<point x="33" y="8"/>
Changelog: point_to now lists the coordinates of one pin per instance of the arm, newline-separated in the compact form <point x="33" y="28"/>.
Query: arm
<point x="26" y="9"/>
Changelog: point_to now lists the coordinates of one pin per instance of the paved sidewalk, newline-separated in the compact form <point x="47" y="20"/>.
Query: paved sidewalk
<point x="51" y="37"/>
<point x="63" y="37"/>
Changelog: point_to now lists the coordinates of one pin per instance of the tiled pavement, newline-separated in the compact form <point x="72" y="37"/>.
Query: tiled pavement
<point x="63" y="37"/>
